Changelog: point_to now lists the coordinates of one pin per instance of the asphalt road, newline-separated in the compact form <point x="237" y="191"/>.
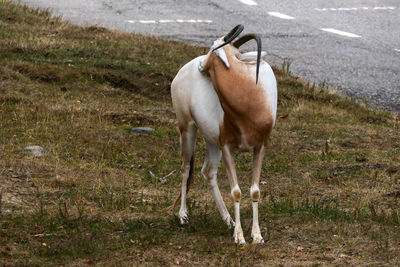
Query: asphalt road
<point x="351" y="45"/>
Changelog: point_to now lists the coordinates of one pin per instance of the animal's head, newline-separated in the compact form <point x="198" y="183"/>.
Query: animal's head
<point x="224" y="47"/>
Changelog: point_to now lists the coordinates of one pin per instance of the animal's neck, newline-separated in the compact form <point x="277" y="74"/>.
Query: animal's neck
<point x="247" y="119"/>
<point x="237" y="91"/>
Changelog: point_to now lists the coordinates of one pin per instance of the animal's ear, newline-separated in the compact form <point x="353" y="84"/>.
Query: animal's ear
<point x="250" y="56"/>
<point x="221" y="54"/>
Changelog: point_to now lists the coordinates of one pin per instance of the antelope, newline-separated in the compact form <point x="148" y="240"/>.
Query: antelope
<point x="218" y="94"/>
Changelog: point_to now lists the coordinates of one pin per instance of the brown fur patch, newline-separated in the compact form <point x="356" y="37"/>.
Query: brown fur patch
<point x="255" y="196"/>
<point x="236" y="195"/>
<point x="243" y="101"/>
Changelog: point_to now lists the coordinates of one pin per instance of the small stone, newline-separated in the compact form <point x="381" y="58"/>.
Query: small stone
<point x="36" y="151"/>
<point x="141" y="130"/>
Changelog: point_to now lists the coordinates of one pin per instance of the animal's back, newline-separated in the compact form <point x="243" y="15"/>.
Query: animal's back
<point x="268" y="82"/>
<point x="194" y="99"/>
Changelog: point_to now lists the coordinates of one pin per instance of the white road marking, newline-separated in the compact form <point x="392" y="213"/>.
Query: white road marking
<point x="170" y="21"/>
<point x="280" y="15"/>
<point x="165" y="20"/>
<point x="248" y="2"/>
<point x="347" y="34"/>
<point x="147" y="21"/>
<point x="355" y="8"/>
<point x="397" y="50"/>
<point x="384" y="8"/>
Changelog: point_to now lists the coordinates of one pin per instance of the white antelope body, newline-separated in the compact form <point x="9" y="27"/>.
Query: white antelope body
<point x="218" y="94"/>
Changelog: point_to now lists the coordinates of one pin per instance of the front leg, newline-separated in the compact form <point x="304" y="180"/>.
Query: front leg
<point x="258" y="157"/>
<point x="236" y="193"/>
<point x="238" y="231"/>
<point x="255" y="229"/>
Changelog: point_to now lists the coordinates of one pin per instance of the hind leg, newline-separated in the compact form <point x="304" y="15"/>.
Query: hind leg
<point x="188" y="138"/>
<point x="209" y="172"/>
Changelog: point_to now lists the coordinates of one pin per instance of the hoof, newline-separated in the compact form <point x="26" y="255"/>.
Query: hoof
<point x="184" y="219"/>
<point x="240" y="243"/>
<point x="238" y="237"/>
<point x="260" y="244"/>
<point x="259" y="241"/>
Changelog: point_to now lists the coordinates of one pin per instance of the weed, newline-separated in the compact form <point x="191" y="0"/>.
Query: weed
<point x="286" y="67"/>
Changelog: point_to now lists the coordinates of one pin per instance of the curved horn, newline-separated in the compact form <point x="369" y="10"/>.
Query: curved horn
<point x="246" y="38"/>
<point x="231" y="35"/>
<point x="234" y="32"/>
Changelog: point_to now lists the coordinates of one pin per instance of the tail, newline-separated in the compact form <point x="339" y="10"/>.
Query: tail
<point x="188" y="183"/>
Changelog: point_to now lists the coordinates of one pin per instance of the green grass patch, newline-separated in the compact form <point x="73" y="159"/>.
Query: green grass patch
<point x="102" y="195"/>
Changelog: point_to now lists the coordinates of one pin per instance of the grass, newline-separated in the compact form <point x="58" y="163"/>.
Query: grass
<point x="329" y="179"/>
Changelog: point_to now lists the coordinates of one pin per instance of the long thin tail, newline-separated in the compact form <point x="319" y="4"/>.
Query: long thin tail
<point x="188" y="183"/>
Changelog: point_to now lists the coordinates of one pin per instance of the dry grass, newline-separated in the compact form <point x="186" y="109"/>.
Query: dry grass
<point x="91" y="200"/>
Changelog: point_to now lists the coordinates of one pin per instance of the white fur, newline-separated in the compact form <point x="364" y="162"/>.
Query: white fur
<point x="268" y="82"/>
<point x="193" y="96"/>
<point x="238" y="231"/>
<point x="222" y="55"/>
<point x="255" y="229"/>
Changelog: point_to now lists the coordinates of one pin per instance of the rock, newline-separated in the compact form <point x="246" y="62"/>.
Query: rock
<point x="394" y="193"/>
<point x="36" y="151"/>
<point x="19" y="176"/>
<point x="141" y="130"/>
<point x="116" y="137"/>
